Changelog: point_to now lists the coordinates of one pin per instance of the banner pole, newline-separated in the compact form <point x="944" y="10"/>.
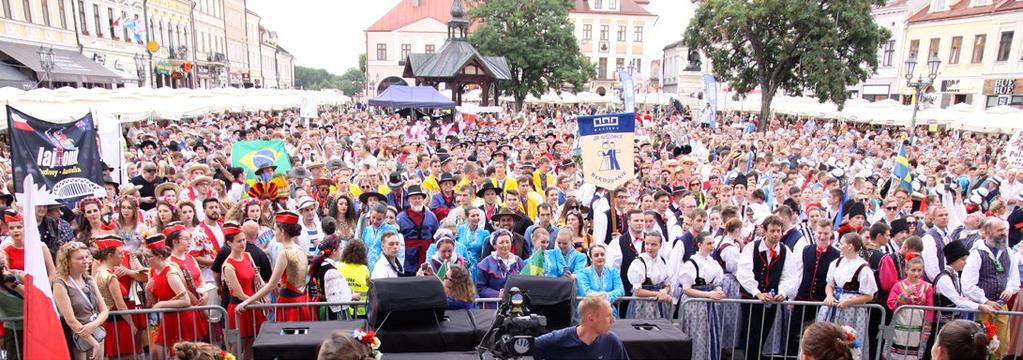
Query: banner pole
<point x="613" y="213"/>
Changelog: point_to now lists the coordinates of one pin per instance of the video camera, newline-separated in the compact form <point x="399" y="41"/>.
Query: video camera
<point x="515" y="328"/>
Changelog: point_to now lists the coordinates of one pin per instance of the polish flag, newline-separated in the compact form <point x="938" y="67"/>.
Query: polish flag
<point x="41" y="321"/>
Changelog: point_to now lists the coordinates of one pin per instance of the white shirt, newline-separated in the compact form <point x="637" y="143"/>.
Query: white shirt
<point x="730" y="255"/>
<point x="710" y="271"/>
<point x="947" y="288"/>
<point x="971" y="272"/>
<point x="310" y="236"/>
<point x="789" y="284"/>
<point x="614" y="251"/>
<point x="336" y="287"/>
<point x="842" y="271"/>
<point x="930" y="255"/>
<point x="655" y="269"/>
<point x="382" y="270"/>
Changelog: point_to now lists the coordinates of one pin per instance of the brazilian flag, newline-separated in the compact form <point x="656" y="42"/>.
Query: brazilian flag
<point x="249" y="155"/>
<point x="534" y="265"/>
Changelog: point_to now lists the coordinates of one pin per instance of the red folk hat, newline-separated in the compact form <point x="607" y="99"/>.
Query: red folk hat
<point x="286" y="217"/>
<point x="108" y="241"/>
<point x="156" y="241"/>
<point x="172" y="227"/>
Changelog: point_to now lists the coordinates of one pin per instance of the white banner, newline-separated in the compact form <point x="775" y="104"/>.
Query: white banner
<point x="1014" y="150"/>
<point x="111" y="144"/>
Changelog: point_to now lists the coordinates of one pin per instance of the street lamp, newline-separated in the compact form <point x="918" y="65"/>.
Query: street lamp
<point x="140" y="68"/>
<point x="919" y="85"/>
<point x="46" y="61"/>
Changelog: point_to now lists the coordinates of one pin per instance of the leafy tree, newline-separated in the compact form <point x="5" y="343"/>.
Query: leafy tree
<point x="351" y="82"/>
<point x="537" y="38"/>
<point x="817" y="47"/>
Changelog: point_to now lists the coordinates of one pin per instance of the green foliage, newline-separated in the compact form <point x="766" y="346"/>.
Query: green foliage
<point x="351" y="82"/>
<point x="799" y="46"/>
<point x="537" y="38"/>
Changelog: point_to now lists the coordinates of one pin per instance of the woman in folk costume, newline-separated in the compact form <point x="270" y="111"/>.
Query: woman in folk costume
<point x="443" y="253"/>
<point x="15" y="249"/>
<point x="289" y="272"/>
<point x="470" y="239"/>
<point x="701" y="277"/>
<point x="495" y="269"/>
<point x="239" y="276"/>
<point x="600" y="278"/>
<point x="129" y="222"/>
<point x="850" y="282"/>
<point x="121" y="340"/>
<point x="563" y="259"/>
<point x="912" y="327"/>
<point x="650" y="276"/>
<point x="726" y="252"/>
<point x="167" y="289"/>
<point x="179" y="241"/>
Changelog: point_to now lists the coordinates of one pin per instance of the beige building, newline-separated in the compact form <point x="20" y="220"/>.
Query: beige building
<point x="237" y="51"/>
<point x="268" y="57"/>
<point x="31" y="31"/>
<point x="210" y="44"/>
<point x="254" y="78"/>
<point x="612" y="34"/>
<point x="285" y="63"/>
<point x="412" y="26"/>
<point x="107" y="39"/>
<point x="170" y="27"/>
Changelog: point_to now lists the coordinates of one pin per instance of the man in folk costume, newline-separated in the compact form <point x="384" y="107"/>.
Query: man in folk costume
<point x="792" y="235"/>
<point x="194" y="172"/>
<point x="398" y="197"/>
<point x="542" y="177"/>
<point x="934" y="240"/>
<point x="767" y="272"/>
<point x="321" y="192"/>
<point x="443" y="201"/>
<point x="813" y="260"/>
<point x="513" y="201"/>
<point x="208" y="237"/>
<point x="991" y="276"/>
<point x="491" y="202"/>
<point x="948" y="289"/>
<point x="499" y="177"/>
<point x="626" y="248"/>
<point x="969" y="231"/>
<point x="666" y="220"/>
<point x="505" y="219"/>
<point x="417" y="226"/>
<point x="1015" y="220"/>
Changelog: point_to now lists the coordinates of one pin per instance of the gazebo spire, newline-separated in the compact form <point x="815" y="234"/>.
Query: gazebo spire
<point x="458" y="26"/>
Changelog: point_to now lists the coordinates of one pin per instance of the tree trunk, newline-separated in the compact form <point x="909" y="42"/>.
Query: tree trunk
<point x="519" y="100"/>
<point x="766" y="97"/>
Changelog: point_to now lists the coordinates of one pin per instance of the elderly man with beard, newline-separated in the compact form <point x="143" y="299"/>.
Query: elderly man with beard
<point x="991" y="276"/>
<point x="417" y="226"/>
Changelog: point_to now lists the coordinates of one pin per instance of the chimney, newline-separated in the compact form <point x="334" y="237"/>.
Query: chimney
<point x="415" y="3"/>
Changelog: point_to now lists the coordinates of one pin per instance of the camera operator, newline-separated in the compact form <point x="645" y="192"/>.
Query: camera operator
<point x="592" y="339"/>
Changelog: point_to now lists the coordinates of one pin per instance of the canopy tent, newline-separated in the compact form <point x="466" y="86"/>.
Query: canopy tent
<point x="397" y="96"/>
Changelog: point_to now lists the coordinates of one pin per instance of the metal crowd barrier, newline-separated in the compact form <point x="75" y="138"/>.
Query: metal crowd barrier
<point x="271" y="310"/>
<point x="772" y="330"/>
<point x="914" y="328"/>
<point x="12" y="339"/>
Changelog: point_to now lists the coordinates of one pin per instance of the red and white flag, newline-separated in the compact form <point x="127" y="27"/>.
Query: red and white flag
<point x="41" y="321"/>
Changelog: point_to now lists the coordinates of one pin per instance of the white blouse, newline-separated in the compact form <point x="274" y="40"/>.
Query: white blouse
<point x="656" y="269"/>
<point x="710" y="271"/>
<point x="730" y="255"/>
<point x="843" y="273"/>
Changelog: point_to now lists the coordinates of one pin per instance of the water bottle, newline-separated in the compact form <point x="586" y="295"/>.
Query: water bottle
<point x="771" y="305"/>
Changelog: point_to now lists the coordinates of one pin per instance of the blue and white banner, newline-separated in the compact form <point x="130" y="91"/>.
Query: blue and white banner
<point x="710" y="89"/>
<point x="628" y="90"/>
<point x="608" y="150"/>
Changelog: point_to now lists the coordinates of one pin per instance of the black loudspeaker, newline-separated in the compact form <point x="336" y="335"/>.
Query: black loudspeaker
<point x="552" y="297"/>
<point x="406" y="301"/>
<point x="653" y="339"/>
<point x="297" y="340"/>
<point x="459" y="330"/>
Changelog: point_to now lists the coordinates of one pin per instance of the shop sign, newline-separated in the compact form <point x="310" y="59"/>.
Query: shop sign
<point x="163" y="67"/>
<point x="1003" y="87"/>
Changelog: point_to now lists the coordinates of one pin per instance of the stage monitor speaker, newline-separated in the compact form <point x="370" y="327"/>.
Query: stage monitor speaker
<point x="653" y="339"/>
<point x="297" y="340"/>
<point x="552" y="297"/>
<point x="406" y="301"/>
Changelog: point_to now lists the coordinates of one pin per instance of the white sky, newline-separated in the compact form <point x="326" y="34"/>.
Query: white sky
<point x="329" y="33"/>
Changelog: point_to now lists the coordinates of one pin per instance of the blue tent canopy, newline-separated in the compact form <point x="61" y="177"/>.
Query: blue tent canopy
<point x="397" y="96"/>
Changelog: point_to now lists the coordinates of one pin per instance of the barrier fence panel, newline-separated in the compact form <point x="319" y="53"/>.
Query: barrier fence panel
<point x="307" y="311"/>
<point x="723" y="328"/>
<point x="913" y="330"/>
<point x="13" y="345"/>
<point x="131" y="334"/>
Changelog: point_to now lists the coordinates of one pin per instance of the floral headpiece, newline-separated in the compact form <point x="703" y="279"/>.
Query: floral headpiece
<point x="990" y="329"/>
<point x="224" y="355"/>
<point x="370" y="339"/>
<point x="855" y="345"/>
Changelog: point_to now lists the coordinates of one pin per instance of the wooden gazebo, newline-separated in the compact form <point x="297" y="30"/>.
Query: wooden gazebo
<point x="458" y="64"/>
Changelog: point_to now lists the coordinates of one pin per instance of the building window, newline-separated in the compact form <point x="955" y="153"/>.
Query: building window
<point x="124" y="29"/>
<point x="914" y="47"/>
<point x="27" y="6"/>
<point x="110" y="20"/>
<point x="63" y="17"/>
<point x="7" y="8"/>
<point x="587" y="32"/>
<point x="598" y="4"/>
<point x="604" y="32"/>
<point x="932" y="48"/>
<point x="939" y="5"/>
<point x="953" y="52"/>
<point x="612" y="4"/>
<point x="978" y="48"/>
<point x="619" y="65"/>
<point x="621" y="33"/>
<point x="638" y="34"/>
<point x="46" y="12"/>
<point x="429" y="49"/>
<point x="602" y="68"/>
<point x="381" y="51"/>
<point x="96" y="20"/>
<point x="405" y="50"/>
<point x="889" y="53"/>
<point x="81" y="17"/>
<point x="1004" y="45"/>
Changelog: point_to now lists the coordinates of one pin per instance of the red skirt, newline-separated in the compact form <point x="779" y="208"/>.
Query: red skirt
<point x="180" y="326"/>
<point x="303" y="313"/>
<point x="251" y="320"/>
<point x="119" y="340"/>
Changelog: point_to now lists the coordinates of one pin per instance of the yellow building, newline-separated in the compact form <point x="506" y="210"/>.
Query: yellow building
<point x="170" y="26"/>
<point x="980" y="57"/>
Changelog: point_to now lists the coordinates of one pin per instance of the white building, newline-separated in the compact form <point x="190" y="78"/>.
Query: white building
<point x="210" y="44"/>
<point x="612" y="34"/>
<point x="254" y="76"/>
<point x="412" y="26"/>
<point x="108" y="41"/>
<point x="884" y="84"/>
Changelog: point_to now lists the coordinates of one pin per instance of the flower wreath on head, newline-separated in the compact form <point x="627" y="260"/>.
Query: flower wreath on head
<point x="224" y="355"/>
<point x="855" y="345"/>
<point x="990" y="329"/>
<point x="370" y="339"/>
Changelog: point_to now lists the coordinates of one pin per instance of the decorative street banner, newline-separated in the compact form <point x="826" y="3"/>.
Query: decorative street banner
<point x="608" y="149"/>
<point x="628" y="90"/>
<point x="1014" y="151"/>
<point x="251" y="155"/>
<point x="63" y="157"/>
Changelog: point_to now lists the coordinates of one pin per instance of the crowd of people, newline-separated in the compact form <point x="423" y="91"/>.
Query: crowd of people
<point x="808" y="210"/>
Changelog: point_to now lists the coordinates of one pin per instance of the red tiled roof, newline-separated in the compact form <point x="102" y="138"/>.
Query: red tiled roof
<point x="405" y="13"/>
<point x="1010" y="6"/>
<point x="960" y="9"/>
<point x="625" y="7"/>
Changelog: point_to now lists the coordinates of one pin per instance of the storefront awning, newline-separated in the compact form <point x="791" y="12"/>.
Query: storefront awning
<point x="68" y="66"/>
<point x="9" y="76"/>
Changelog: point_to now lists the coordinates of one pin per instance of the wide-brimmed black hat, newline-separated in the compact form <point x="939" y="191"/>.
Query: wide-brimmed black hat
<point x="488" y="186"/>
<point x="395" y="180"/>
<point x="366" y="195"/>
<point x="110" y="180"/>
<point x="148" y="142"/>
<point x="897" y="226"/>
<point x="954" y="250"/>
<point x="502" y="212"/>
<point x="265" y="165"/>
<point x="446" y="177"/>
<point x="414" y="190"/>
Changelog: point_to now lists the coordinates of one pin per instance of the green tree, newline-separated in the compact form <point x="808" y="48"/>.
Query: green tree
<point x="799" y="46"/>
<point x="351" y="82"/>
<point x="537" y="38"/>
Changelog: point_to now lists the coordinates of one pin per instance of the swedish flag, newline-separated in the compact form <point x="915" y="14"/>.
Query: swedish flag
<point x="902" y="170"/>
